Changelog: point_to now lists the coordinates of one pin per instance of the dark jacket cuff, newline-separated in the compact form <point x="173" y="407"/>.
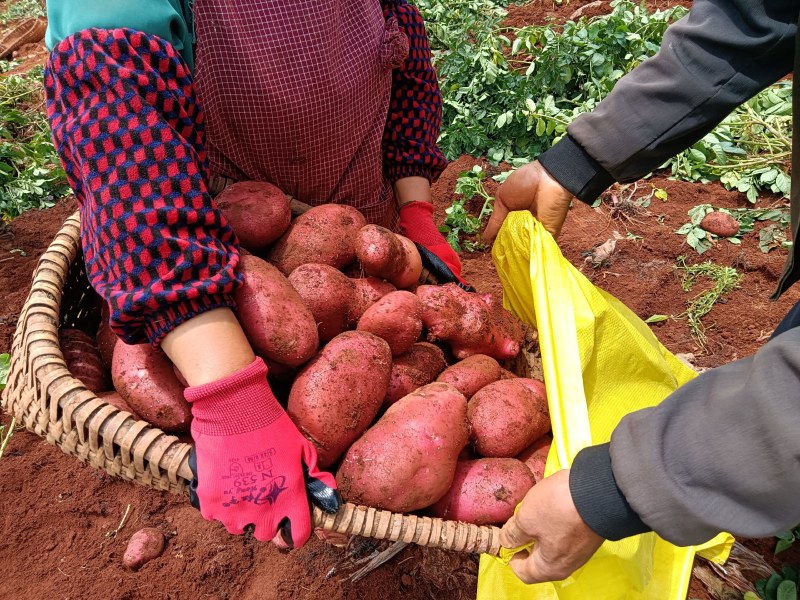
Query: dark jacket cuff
<point x="598" y="499"/>
<point x="570" y="165"/>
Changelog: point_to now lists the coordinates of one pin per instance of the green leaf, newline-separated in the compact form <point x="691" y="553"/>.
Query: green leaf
<point x="661" y="194"/>
<point x="5" y="362"/>
<point x="751" y="596"/>
<point x="656" y="319"/>
<point x="782" y="545"/>
<point x="771" y="588"/>
<point x="541" y="126"/>
<point x="787" y="590"/>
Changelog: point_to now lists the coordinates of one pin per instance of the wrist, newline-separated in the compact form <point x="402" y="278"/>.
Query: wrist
<point x="575" y="170"/>
<point x="412" y="189"/>
<point x="238" y="403"/>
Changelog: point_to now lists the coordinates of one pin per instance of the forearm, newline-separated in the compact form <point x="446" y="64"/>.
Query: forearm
<point x="720" y="454"/>
<point x="711" y="61"/>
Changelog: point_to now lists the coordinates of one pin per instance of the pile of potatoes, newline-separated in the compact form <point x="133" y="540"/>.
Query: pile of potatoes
<point x="398" y="385"/>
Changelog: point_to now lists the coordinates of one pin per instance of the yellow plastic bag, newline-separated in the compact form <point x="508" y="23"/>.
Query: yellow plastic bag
<point x="600" y="362"/>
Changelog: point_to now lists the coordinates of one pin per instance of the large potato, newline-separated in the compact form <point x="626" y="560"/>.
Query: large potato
<point x="324" y="234"/>
<point x="535" y="456"/>
<point x="396" y="318"/>
<point x="83" y="359"/>
<point x="337" y="395"/>
<point x="145" y="379"/>
<point x="273" y="315"/>
<point x="328" y="293"/>
<point x="257" y="211"/>
<point x="507" y="416"/>
<point x="406" y="461"/>
<point x="485" y="491"/>
<point x="388" y="255"/>
<point x="471" y="374"/>
<point x="417" y="367"/>
<point x="368" y="290"/>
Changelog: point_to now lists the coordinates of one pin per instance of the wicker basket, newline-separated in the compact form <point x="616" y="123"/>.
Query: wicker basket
<point x="42" y="394"/>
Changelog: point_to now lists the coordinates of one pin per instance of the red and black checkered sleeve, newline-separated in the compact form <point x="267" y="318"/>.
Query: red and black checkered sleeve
<point x="415" y="108"/>
<point x="129" y="132"/>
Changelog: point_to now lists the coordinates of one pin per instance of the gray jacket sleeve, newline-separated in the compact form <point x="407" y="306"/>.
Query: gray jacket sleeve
<point x="721" y="54"/>
<point x="722" y="453"/>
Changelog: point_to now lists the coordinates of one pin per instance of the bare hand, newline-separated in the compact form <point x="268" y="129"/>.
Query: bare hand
<point x="548" y="517"/>
<point x="530" y="188"/>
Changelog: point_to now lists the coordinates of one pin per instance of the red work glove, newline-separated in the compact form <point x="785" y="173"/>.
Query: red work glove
<point x="416" y="223"/>
<point x="251" y="464"/>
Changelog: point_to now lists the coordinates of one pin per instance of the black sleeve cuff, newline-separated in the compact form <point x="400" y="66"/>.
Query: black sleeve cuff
<point x="570" y="165"/>
<point x="598" y="499"/>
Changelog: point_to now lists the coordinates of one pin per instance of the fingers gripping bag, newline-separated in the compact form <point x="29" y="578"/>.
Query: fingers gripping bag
<point x="600" y="362"/>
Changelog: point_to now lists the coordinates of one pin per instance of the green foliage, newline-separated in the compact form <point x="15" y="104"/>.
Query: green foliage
<point x="724" y="279"/>
<point x="30" y="173"/>
<point x="21" y="9"/>
<point x="5" y="362"/>
<point x="786" y="539"/>
<point x="779" y="586"/>
<point x="5" y="435"/>
<point x="459" y="222"/>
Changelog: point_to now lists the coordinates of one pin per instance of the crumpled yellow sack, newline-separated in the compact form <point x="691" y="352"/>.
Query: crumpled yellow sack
<point x="600" y="362"/>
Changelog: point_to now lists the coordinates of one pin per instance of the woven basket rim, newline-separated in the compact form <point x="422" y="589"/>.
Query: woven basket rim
<point x="43" y="394"/>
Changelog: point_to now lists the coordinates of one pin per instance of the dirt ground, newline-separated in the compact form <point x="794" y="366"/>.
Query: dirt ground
<point x="57" y="513"/>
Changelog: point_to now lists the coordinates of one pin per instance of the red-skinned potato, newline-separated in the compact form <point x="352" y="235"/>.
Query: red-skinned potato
<point x="368" y="290"/>
<point x="417" y="367"/>
<point x="470" y="323"/>
<point x="395" y="318"/>
<point x="406" y="461"/>
<point x="535" y="456"/>
<point x="257" y="211"/>
<point x="471" y="374"/>
<point x="337" y="395"/>
<point x="145" y="379"/>
<point x="144" y="545"/>
<point x="105" y="339"/>
<point x="324" y="234"/>
<point x="83" y="359"/>
<point x="273" y="316"/>
<point x="485" y="491"/>
<point x="117" y="401"/>
<point x="328" y="293"/>
<point x="388" y="255"/>
<point x="507" y="416"/>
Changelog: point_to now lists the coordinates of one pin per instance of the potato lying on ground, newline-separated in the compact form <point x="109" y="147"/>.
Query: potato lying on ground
<point x="471" y="374"/>
<point x="535" y="456"/>
<point x="485" y="491"/>
<point x="417" y="367"/>
<point x="337" y="395"/>
<point x="406" y="461"/>
<point x="507" y="416"/>
<point x="397" y="318"/>
<point x="117" y="401"/>
<point x="83" y="359"/>
<point x="388" y="255"/>
<point x="144" y="545"/>
<point x="470" y="323"/>
<point x="328" y="293"/>
<point x="145" y="379"/>
<point x="720" y="223"/>
<point x="368" y="290"/>
<point x="324" y="234"/>
<point x="274" y="317"/>
<point x="257" y="211"/>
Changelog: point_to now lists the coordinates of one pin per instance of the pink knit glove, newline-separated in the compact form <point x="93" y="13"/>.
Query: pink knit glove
<point x="416" y="223"/>
<point x="250" y="460"/>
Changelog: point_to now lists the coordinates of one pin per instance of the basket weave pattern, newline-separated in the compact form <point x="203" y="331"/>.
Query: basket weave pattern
<point x="43" y="395"/>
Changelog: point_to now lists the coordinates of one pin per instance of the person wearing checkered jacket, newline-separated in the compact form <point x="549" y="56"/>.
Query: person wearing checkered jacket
<point x="152" y="102"/>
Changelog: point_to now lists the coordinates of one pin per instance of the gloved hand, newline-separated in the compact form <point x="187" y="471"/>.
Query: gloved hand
<point x="438" y="257"/>
<point x="251" y="464"/>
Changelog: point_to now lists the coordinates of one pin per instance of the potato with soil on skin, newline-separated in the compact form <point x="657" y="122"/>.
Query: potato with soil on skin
<point x="257" y="211"/>
<point x="328" y="293"/>
<point x="417" y="367"/>
<point x="145" y="379"/>
<point x="273" y="316"/>
<point x="144" y="545"/>
<point x="720" y="223"/>
<point x="324" y="234"/>
<point x="337" y="395"/>
<point x="105" y="339"/>
<point x="388" y="255"/>
<point x="507" y="416"/>
<point x="396" y="318"/>
<point x="470" y="323"/>
<point x="485" y="491"/>
<point x="83" y="359"/>
<point x="471" y="374"/>
<point x="117" y="401"/>
<point x="368" y="290"/>
<point x="407" y="460"/>
<point x="535" y="456"/>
